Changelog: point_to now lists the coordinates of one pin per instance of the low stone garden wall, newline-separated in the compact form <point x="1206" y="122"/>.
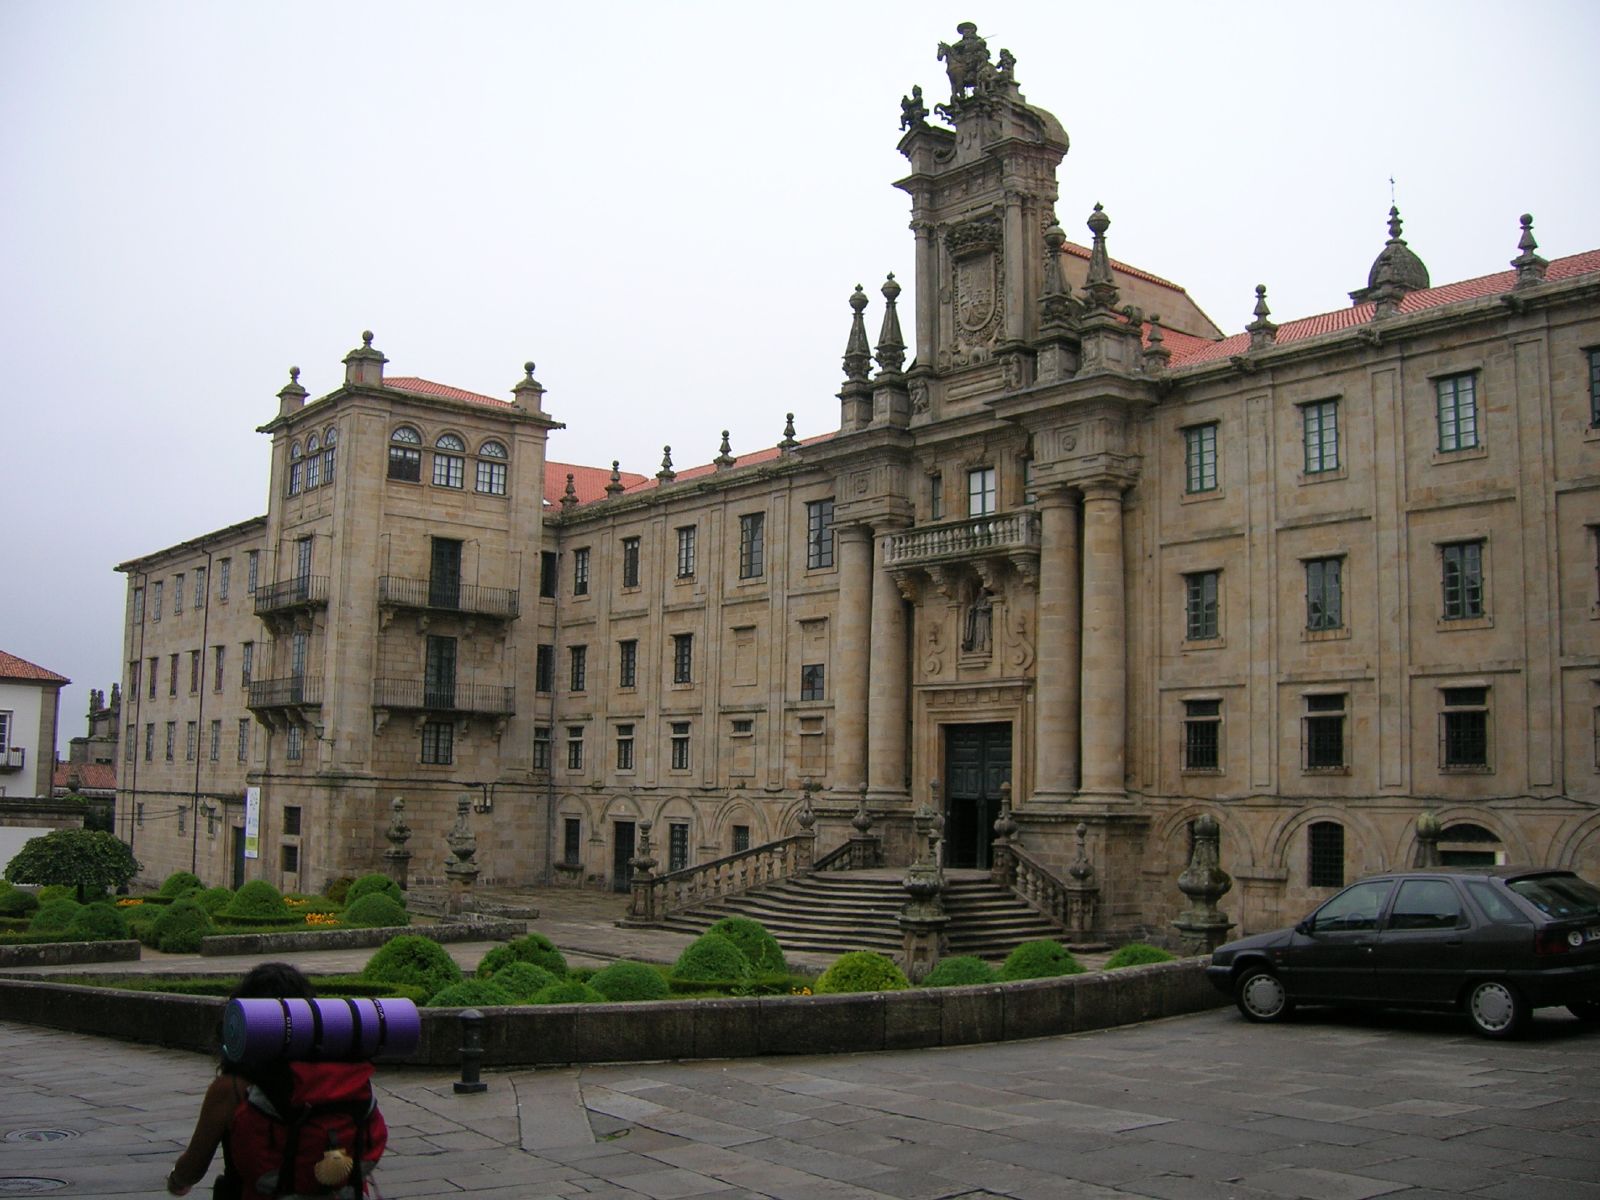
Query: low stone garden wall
<point x="560" y="1034"/>
<point x="358" y="939"/>
<point x="63" y="954"/>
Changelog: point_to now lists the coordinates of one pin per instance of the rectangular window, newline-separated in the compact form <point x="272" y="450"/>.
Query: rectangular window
<point x="244" y="739"/>
<point x="439" y="672"/>
<point x="980" y="491"/>
<point x="686" y="552"/>
<point x="1325" y="854"/>
<point x="680" y="745"/>
<point x="572" y="841"/>
<point x="683" y="658"/>
<point x="299" y="653"/>
<point x="575" y="747"/>
<point x="294" y="744"/>
<point x="630" y="562"/>
<point x="172" y="674"/>
<point x="1202" y="735"/>
<point x="547" y="573"/>
<point x="252" y="570"/>
<point x="224" y="572"/>
<point x="215" y="750"/>
<point x="302" y="562"/>
<point x="217" y="658"/>
<point x="544" y="668"/>
<point x="1200" y="458"/>
<point x="1324" y="593"/>
<point x="149" y="741"/>
<point x="678" y="846"/>
<point x="291" y="858"/>
<point x="438" y="743"/>
<point x="449" y="470"/>
<point x="130" y="743"/>
<point x="1202" y="621"/>
<point x="1464" y="729"/>
<point x="1321" y="425"/>
<point x="183" y="817"/>
<point x="624" y="747"/>
<point x="1463" y="580"/>
<point x="811" y="675"/>
<point x="743" y="727"/>
<point x="133" y="677"/>
<point x="172" y="740"/>
<point x="155" y="602"/>
<point x="1322" y="734"/>
<point x="752" y="545"/>
<point x="541" y="747"/>
<point x="1594" y="386"/>
<point x="190" y="737"/>
<point x="1458" y="411"/>
<point x="491" y="478"/>
<point x="138" y="606"/>
<point x="741" y="838"/>
<point x="936" y="497"/>
<point x="199" y="587"/>
<point x="194" y="672"/>
<point x="819" y="534"/>
<point x="247" y="663"/>
<point x="628" y="663"/>
<point x="177" y="593"/>
<point x="155" y="664"/>
<point x="1030" y="492"/>
<point x="578" y="680"/>
<point x="580" y="571"/>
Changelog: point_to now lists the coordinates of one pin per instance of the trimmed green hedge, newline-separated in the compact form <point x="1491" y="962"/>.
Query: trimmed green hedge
<point x="414" y="959"/>
<point x="627" y="980"/>
<point x="470" y="993"/>
<point x="959" y="971"/>
<point x="375" y="910"/>
<point x="754" y="942"/>
<point x="862" y="971"/>
<point x="1042" y="959"/>
<point x="1137" y="954"/>
<point x="532" y="947"/>
<point x="178" y="930"/>
<point x="711" y="957"/>
<point x="372" y="884"/>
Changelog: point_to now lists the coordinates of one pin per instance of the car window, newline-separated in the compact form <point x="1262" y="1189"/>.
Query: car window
<point x="1426" y="904"/>
<point x="1495" y="906"/>
<point x="1356" y="907"/>
<point x="1559" y="896"/>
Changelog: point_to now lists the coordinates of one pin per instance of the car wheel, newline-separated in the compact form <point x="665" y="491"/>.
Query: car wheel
<point x="1261" y="996"/>
<point x="1496" y="1009"/>
<point x="1585" y="1010"/>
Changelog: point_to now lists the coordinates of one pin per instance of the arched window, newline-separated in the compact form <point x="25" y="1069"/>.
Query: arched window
<point x="492" y="469"/>
<point x="295" y="466"/>
<point x="449" y="461"/>
<point x="1468" y="845"/>
<point x="405" y="454"/>
<point x="313" y="462"/>
<point x="330" y="447"/>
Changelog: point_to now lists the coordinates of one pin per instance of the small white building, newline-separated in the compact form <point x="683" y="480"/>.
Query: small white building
<point x="30" y="703"/>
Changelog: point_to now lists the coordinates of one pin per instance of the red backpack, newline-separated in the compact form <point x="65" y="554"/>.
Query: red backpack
<point x="322" y="1139"/>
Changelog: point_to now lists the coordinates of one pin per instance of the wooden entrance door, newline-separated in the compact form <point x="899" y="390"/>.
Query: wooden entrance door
<point x="977" y="761"/>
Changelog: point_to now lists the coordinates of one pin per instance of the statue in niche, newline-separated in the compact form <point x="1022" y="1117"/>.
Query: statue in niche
<point x="978" y="631"/>
<point x="913" y="113"/>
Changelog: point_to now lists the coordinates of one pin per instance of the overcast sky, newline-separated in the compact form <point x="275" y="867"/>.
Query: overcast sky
<point x="664" y="205"/>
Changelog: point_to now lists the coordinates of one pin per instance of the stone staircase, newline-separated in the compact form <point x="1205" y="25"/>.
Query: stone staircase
<point x="830" y="912"/>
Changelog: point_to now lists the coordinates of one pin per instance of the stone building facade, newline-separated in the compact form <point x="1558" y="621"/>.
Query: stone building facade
<point x="1312" y="579"/>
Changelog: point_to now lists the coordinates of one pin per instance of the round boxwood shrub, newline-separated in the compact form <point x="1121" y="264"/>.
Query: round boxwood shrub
<point x="470" y="993"/>
<point x="180" y="927"/>
<point x="1042" y="959"/>
<point x="179" y="883"/>
<point x="862" y="971"/>
<point x="568" y="991"/>
<point x="959" y="971"/>
<point x="1137" y="954"/>
<point x="531" y="947"/>
<point x="15" y="902"/>
<point x="711" y="958"/>
<point x="255" y="901"/>
<point x="411" y="958"/>
<point x="626" y="980"/>
<point x="54" y="916"/>
<point x="375" y="910"/>
<point x="98" y="922"/>
<point x="523" y="980"/>
<point x="372" y="884"/>
<point x="214" y="900"/>
<point x="754" y="942"/>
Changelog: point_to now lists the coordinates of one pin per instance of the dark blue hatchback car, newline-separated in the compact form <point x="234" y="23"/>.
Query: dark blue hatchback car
<point x="1493" y="942"/>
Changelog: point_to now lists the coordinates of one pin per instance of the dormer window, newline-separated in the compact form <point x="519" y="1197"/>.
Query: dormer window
<point x="405" y="454"/>
<point x="449" y="461"/>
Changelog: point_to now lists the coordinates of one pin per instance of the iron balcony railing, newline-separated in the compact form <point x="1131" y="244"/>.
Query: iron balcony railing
<point x="448" y="596"/>
<point x="306" y="591"/>
<point x="289" y="692"/>
<point x="953" y="541"/>
<point x="423" y="696"/>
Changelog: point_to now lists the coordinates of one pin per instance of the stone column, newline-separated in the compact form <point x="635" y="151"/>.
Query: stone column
<point x="1103" y="657"/>
<point x="886" y="684"/>
<point x="1058" y="677"/>
<point x="850" y="674"/>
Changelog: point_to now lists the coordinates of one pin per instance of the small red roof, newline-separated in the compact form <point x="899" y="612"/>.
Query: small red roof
<point x="12" y="667"/>
<point x="588" y="482"/>
<point x="426" y="387"/>
<point x="92" y="777"/>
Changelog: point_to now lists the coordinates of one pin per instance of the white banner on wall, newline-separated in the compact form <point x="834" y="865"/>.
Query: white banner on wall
<point x="252" y="822"/>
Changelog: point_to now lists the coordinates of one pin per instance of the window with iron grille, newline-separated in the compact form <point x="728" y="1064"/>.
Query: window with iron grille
<point x="252" y="570"/>
<point x="1325" y="854"/>
<point x="1464" y="729"/>
<point x="244" y="739"/>
<point x="811" y="678"/>
<point x="1322" y="733"/>
<point x="743" y="727"/>
<point x="680" y="745"/>
<point x="579" y="663"/>
<point x="405" y="455"/>
<point x="981" y="495"/>
<point x="449" y="462"/>
<point x="438" y="743"/>
<point x="217" y="658"/>
<point x="628" y="663"/>
<point x="247" y="663"/>
<point x="155" y="669"/>
<point x="1202" y="620"/>
<point x="544" y="668"/>
<point x="138" y="607"/>
<point x="1458" y="411"/>
<point x="199" y="587"/>
<point x="294" y="744"/>
<point x="190" y="737"/>
<point x="686" y="552"/>
<point x="624" y="747"/>
<point x="1320" y="422"/>
<point x="677" y="845"/>
<point x="216" y="741"/>
<point x="572" y="841"/>
<point x="1202" y="735"/>
<point x="541" y="747"/>
<point x="1200" y="458"/>
<point x="224" y="572"/>
<point x="172" y="740"/>
<point x="575" y="747"/>
<point x="149" y="741"/>
<point x="291" y="820"/>
<point x="752" y="545"/>
<point x="291" y="858"/>
<point x="630" y="562"/>
<point x="580" y="571"/>
<point x="177" y="593"/>
<point x="819" y="534"/>
<point x="155" y="601"/>
<point x="683" y="658"/>
<point x="1324" y="593"/>
<point x="741" y="838"/>
<point x="1462" y="580"/>
<point x="194" y="672"/>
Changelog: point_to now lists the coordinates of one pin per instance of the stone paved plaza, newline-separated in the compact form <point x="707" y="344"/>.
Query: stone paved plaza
<point x="1193" y="1108"/>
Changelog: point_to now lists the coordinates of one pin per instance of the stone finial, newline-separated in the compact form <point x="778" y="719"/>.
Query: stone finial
<point x="724" y="458"/>
<point x="891" y="345"/>
<point x="569" y="498"/>
<point x="1396" y="271"/>
<point x="614" y="484"/>
<point x="529" y="392"/>
<point x="1082" y="870"/>
<point x="116" y="695"/>
<point x="1100" y="284"/>
<point x="1156" y="353"/>
<point x="1055" y="299"/>
<point x="857" y="355"/>
<point x="292" y="397"/>
<point x="666" y="474"/>
<point x="1429" y="830"/>
<point x="807" y="817"/>
<point x="1530" y="267"/>
<point x="1262" y="331"/>
<point x="364" y="367"/>
<point x="862" y="821"/>
<point x="789" y="444"/>
<point x="1202" y="926"/>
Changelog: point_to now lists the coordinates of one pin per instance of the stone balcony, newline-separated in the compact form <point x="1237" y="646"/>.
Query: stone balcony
<point x="1013" y="536"/>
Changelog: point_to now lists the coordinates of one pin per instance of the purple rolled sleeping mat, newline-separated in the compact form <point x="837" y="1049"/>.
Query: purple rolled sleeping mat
<point x="255" y="1031"/>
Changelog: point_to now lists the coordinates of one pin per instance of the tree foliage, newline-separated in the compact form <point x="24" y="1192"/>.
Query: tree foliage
<point x="91" y="861"/>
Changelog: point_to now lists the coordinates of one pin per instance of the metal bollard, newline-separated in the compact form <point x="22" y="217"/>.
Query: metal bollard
<point x="471" y="1052"/>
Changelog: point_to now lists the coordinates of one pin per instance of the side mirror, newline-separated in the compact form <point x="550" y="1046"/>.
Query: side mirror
<point x="1306" y="928"/>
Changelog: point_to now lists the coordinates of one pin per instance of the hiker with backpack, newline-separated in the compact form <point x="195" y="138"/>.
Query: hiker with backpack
<point x="286" y="1128"/>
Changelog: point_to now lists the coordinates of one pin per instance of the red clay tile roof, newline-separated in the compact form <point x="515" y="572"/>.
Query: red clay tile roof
<point x="426" y="387"/>
<point x="92" y="777"/>
<point x="1188" y="351"/>
<point x="588" y="482"/>
<point x="743" y="460"/>
<point x="1083" y="252"/>
<point x="12" y="667"/>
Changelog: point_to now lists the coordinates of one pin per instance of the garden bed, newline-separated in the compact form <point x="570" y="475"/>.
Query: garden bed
<point x="357" y="939"/>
